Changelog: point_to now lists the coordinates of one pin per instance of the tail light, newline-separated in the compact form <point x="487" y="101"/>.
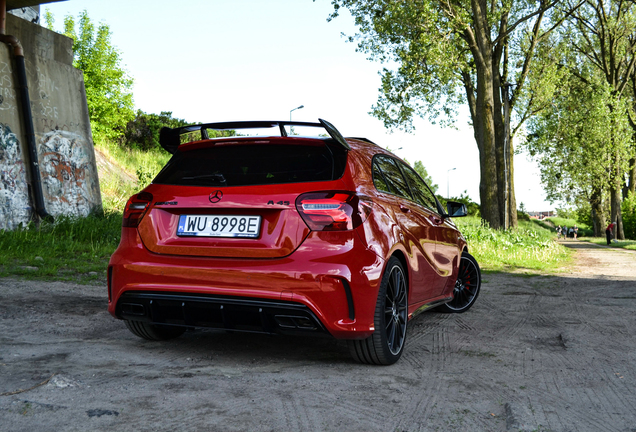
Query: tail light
<point x="136" y="208"/>
<point x="333" y="210"/>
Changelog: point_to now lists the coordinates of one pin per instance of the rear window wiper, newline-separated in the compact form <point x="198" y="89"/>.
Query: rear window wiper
<point x="213" y="178"/>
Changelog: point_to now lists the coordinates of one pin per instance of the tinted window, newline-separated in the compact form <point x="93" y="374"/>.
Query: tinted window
<point x="421" y="192"/>
<point x="253" y="164"/>
<point x="393" y="176"/>
<point x="378" y="179"/>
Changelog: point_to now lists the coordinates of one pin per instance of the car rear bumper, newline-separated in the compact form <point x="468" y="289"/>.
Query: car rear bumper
<point x="328" y="285"/>
<point x="228" y="313"/>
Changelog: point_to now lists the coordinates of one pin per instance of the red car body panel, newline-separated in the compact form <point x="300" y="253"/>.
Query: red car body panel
<point x="289" y="262"/>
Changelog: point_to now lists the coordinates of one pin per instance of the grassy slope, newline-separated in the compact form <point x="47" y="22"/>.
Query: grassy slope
<point x="79" y="249"/>
<point x="529" y="247"/>
<point x="623" y="244"/>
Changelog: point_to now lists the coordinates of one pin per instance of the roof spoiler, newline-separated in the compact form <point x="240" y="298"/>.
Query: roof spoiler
<point x="170" y="139"/>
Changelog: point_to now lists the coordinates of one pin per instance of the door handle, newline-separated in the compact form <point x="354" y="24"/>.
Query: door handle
<point x="404" y="208"/>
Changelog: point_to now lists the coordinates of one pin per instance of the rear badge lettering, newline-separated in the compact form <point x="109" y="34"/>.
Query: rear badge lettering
<point x="271" y="202"/>
<point x="166" y="203"/>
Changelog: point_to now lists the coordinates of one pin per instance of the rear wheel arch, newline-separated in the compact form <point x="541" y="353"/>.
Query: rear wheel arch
<point x="386" y="344"/>
<point x="399" y="254"/>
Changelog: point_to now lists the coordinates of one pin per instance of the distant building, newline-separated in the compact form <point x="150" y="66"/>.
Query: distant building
<point x="542" y="214"/>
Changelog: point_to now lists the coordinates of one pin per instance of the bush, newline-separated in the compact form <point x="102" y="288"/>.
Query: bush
<point x="523" y="216"/>
<point x="628" y="208"/>
<point x="143" y="131"/>
<point x="584" y="214"/>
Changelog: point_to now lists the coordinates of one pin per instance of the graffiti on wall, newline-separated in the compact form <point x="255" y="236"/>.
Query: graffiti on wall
<point x="7" y="90"/>
<point x="15" y="208"/>
<point x="69" y="182"/>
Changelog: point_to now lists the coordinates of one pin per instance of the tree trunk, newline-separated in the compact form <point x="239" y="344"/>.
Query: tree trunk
<point x="484" y="116"/>
<point x="631" y="182"/>
<point x="512" y="199"/>
<point x="616" y="216"/>
<point x="500" y="107"/>
<point x="598" y="215"/>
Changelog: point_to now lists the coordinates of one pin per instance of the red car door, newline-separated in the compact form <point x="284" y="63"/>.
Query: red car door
<point x="419" y="233"/>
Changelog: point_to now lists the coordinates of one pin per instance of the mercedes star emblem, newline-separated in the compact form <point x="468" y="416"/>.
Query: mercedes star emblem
<point x="216" y="196"/>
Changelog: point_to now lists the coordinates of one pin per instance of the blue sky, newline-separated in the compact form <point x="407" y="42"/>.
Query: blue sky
<point x="209" y="61"/>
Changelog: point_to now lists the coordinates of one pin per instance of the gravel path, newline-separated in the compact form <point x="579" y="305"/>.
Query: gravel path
<point x="535" y="353"/>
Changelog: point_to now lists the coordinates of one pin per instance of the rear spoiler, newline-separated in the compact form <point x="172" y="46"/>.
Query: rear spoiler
<point x="170" y="139"/>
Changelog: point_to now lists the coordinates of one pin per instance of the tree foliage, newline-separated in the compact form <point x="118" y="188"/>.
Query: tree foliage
<point x="444" y="54"/>
<point x="142" y="132"/>
<point x="419" y="168"/>
<point x="583" y="137"/>
<point x="577" y="142"/>
<point x="108" y="86"/>
<point x="629" y="215"/>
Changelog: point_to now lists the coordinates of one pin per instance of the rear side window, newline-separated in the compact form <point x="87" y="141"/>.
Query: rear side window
<point x="395" y="182"/>
<point x="253" y="164"/>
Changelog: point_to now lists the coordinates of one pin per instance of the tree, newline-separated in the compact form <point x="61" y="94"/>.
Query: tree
<point x="108" y="86"/>
<point x="607" y="40"/>
<point x="143" y="131"/>
<point x="577" y="141"/>
<point x="419" y="168"/>
<point x="587" y="118"/>
<point x="450" y="53"/>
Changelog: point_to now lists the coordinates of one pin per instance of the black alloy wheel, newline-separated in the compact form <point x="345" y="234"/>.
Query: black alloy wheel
<point x="386" y="344"/>
<point x="467" y="286"/>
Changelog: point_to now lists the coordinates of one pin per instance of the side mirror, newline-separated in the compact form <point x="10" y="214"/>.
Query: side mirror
<point x="456" y="209"/>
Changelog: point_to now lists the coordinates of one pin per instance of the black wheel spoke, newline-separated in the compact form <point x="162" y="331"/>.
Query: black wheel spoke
<point x="467" y="285"/>
<point x="395" y="310"/>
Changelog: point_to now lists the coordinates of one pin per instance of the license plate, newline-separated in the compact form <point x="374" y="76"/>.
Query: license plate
<point x="219" y="226"/>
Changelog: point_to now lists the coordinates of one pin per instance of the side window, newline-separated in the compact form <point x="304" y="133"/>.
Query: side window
<point x="378" y="178"/>
<point x="393" y="176"/>
<point x="423" y="194"/>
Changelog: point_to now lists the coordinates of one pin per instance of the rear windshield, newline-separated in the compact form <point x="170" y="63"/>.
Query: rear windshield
<point x="254" y="164"/>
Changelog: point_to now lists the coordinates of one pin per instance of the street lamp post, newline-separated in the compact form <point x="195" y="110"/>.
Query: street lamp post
<point x="448" y="181"/>
<point x="297" y="108"/>
<point x="291" y="128"/>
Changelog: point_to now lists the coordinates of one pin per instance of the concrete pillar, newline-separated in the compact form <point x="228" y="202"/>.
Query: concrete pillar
<point x="62" y="128"/>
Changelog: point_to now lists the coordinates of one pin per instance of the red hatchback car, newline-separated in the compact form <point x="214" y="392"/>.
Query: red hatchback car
<point x="288" y="235"/>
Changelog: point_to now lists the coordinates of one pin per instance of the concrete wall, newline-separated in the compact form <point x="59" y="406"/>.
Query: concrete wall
<point x="62" y="128"/>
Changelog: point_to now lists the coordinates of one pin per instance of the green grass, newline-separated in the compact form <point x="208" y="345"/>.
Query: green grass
<point x="70" y="249"/>
<point x="529" y="247"/>
<point x="623" y="244"/>
<point x="135" y="161"/>
<point x="78" y="249"/>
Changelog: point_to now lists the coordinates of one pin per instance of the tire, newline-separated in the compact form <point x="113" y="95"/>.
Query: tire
<point x="467" y="286"/>
<point x="386" y="345"/>
<point x="154" y="332"/>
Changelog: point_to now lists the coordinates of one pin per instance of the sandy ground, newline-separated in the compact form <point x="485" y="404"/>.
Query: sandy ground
<point x="535" y="353"/>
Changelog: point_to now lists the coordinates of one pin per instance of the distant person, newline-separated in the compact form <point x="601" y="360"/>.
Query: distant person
<point x="571" y="232"/>
<point x="565" y="232"/>
<point x="576" y="232"/>
<point x="558" y="230"/>
<point x="609" y="232"/>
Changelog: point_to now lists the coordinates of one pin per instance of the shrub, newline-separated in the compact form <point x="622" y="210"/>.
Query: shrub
<point x="628" y="208"/>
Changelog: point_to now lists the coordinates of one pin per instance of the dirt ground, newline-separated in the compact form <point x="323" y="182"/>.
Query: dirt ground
<point x="535" y="353"/>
